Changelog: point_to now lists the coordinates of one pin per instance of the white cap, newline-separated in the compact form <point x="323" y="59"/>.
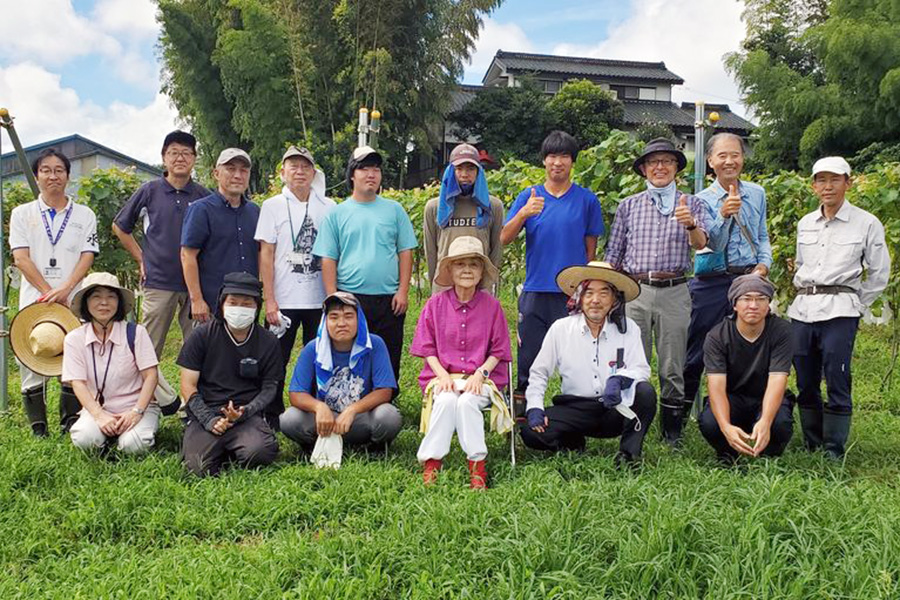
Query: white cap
<point x="365" y="151"/>
<point x="229" y="154"/>
<point x="831" y="164"/>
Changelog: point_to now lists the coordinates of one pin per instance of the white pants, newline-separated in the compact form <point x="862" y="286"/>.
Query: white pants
<point x="86" y="434"/>
<point x="460" y="412"/>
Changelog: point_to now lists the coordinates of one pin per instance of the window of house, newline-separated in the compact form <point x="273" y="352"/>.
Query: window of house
<point x="647" y="93"/>
<point x="551" y="87"/>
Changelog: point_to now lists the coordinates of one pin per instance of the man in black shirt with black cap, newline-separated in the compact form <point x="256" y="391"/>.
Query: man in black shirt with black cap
<point x="230" y="372"/>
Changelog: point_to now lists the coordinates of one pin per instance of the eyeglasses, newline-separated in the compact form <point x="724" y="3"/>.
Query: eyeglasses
<point x="662" y="162"/>
<point x="753" y="299"/>
<point x="185" y="154"/>
<point x="47" y="171"/>
<point x="299" y="165"/>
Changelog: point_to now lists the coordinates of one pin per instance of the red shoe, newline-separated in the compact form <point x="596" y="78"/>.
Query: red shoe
<point x="432" y="466"/>
<point x="478" y="475"/>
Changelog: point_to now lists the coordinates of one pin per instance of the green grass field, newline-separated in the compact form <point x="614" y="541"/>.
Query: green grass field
<point x="75" y="526"/>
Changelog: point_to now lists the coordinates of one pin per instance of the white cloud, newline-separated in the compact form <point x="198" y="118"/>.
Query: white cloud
<point x="495" y="36"/>
<point x="45" y="110"/>
<point x="690" y="36"/>
<point x="136" y="18"/>
<point x="50" y="31"/>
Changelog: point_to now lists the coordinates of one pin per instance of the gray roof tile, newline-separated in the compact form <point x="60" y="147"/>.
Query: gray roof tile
<point x="588" y="67"/>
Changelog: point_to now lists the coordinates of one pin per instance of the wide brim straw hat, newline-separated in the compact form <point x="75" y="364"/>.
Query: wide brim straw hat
<point x="37" y="336"/>
<point x="107" y="280"/>
<point x="569" y="278"/>
<point x="465" y="247"/>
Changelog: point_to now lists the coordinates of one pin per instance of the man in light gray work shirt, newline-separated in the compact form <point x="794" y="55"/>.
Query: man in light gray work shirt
<point x="836" y="243"/>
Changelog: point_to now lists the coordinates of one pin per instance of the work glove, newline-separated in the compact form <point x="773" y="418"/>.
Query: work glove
<point x="535" y="417"/>
<point x="612" y="395"/>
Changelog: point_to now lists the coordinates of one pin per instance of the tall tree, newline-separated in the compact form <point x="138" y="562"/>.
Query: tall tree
<point x="279" y="71"/>
<point x="822" y="77"/>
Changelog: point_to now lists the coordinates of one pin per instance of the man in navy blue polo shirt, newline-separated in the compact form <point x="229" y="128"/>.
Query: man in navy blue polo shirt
<point x="217" y="236"/>
<point x="562" y="222"/>
<point x="161" y="205"/>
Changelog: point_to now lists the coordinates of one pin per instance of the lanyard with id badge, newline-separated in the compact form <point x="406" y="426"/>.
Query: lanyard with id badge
<point x="52" y="271"/>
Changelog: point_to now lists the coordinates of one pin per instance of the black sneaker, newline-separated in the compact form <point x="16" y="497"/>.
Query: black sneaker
<point x="39" y="429"/>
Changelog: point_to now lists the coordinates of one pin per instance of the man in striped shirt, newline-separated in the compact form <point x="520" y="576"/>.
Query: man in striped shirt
<point x="651" y="240"/>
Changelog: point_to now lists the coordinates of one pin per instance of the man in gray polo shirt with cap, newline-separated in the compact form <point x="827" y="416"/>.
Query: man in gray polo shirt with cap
<point x="836" y="244"/>
<point x="463" y="208"/>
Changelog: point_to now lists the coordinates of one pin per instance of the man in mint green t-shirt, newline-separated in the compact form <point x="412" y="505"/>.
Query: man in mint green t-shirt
<point x="366" y="245"/>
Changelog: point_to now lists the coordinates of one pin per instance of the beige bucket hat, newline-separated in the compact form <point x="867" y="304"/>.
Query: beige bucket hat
<point x="465" y="246"/>
<point x="37" y="336"/>
<point x="101" y="280"/>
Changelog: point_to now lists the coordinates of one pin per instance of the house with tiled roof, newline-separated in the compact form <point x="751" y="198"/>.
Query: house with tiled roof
<point x="85" y="156"/>
<point x="645" y="89"/>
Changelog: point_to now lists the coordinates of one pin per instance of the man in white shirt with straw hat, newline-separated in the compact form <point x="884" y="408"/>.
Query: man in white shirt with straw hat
<point x="53" y="241"/>
<point x="597" y="351"/>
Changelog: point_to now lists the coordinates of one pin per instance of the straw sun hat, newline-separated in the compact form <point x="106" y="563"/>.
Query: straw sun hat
<point x="465" y="247"/>
<point x="569" y="278"/>
<point x="37" y="335"/>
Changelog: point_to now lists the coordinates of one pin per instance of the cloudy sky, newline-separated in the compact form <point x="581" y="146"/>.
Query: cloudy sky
<point x="90" y="66"/>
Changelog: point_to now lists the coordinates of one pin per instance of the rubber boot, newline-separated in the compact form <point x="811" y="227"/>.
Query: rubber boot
<point x="68" y="408"/>
<point x="811" y="424"/>
<point x="672" y="424"/>
<point x="432" y="466"/>
<point x="478" y="475"/>
<point x="36" y="410"/>
<point x="835" y="431"/>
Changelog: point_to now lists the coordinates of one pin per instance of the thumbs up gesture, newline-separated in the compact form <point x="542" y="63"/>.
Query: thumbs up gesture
<point x="683" y="214"/>
<point x="732" y="204"/>
<point x="535" y="204"/>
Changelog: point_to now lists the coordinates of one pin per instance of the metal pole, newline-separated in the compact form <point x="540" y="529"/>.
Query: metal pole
<point x="699" y="147"/>
<point x="363" y="128"/>
<point x="7" y="123"/>
<point x="4" y="396"/>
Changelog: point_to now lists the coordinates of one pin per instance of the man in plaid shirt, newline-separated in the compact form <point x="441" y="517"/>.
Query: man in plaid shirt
<point x="651" y="240"/>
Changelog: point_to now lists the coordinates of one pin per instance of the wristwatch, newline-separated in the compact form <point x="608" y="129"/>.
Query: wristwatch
<point x="137" y="411"/>
<point x="485" y="373"/>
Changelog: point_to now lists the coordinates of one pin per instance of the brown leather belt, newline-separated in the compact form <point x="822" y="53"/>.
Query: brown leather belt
<point x="815" y="290"/>
<point x="660" y="279"/>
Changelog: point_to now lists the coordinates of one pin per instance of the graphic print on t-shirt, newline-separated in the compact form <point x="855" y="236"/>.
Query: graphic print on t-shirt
<point x="343" y="389"/>
<point x="308" y="263"/>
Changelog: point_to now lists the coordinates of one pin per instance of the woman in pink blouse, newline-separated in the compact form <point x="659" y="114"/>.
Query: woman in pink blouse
<point x="113" y="380"/>
<point x="463" y="336"/>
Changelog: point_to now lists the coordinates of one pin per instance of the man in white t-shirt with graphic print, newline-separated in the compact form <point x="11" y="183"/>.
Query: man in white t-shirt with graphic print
<point x="286" y="231"/>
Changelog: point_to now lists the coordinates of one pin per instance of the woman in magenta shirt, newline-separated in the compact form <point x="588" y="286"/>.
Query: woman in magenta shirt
<point x="113" y="382"/>
<point x="463" y="336"/>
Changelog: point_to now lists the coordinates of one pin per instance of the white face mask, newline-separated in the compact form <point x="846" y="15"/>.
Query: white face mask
<point x="239" y="317"/>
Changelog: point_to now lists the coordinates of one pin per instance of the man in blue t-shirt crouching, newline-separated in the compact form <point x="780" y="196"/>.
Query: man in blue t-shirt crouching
<point x="343" y="382"/>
